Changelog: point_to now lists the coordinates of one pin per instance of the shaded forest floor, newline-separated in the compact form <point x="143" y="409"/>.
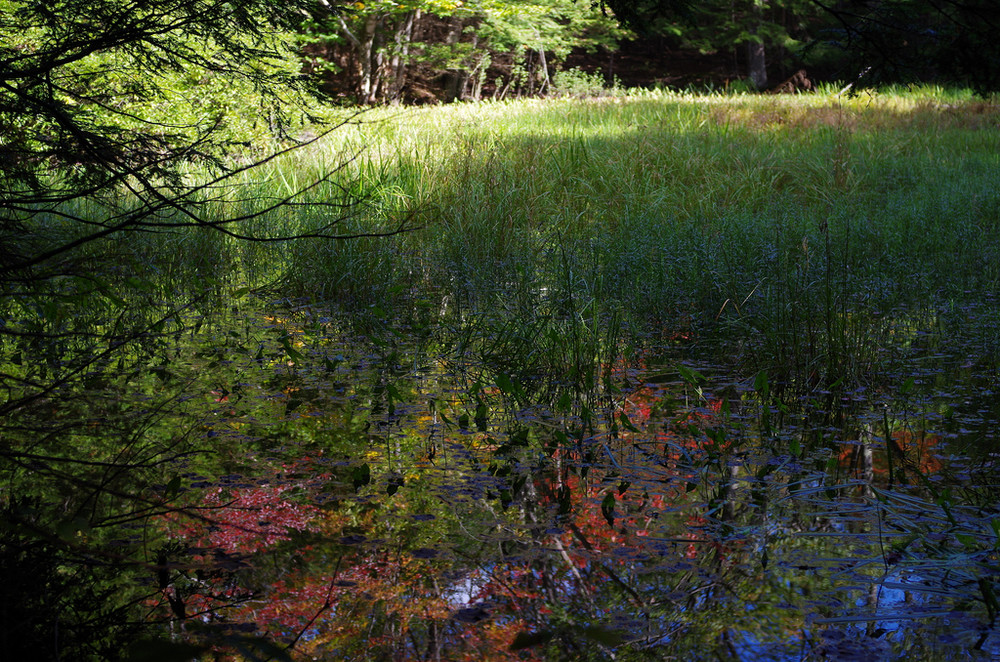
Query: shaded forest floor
<point x="651" y="63"/>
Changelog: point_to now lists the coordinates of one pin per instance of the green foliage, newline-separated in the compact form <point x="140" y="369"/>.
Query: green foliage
<point x="577" y="83"/>
<point x="381" y="41"/>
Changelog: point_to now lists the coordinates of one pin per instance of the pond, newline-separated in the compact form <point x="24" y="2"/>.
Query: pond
<point x="656" y="377"/>
<point x="397" y="494"/>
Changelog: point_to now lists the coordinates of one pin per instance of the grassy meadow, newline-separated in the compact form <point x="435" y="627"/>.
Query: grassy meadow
<point x="812" y="233"/>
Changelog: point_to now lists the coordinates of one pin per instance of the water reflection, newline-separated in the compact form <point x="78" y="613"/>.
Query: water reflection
<point x="369" y="503"/>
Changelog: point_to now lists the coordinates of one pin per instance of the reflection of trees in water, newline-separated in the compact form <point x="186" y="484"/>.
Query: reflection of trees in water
<point x="662" y="528"/>
<point x="462" y="579"/>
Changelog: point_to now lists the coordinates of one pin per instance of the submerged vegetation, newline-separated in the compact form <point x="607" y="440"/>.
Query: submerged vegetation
<point x="658" y="374"/>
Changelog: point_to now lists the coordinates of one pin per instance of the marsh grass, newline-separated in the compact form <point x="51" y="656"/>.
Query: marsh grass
<point x="802" y="230"/>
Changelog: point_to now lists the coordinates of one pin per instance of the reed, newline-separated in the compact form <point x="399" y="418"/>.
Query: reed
<point x="803" y="230"/>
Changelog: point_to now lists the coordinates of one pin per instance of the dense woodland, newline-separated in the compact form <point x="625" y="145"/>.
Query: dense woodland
<point x="656" y="329"/>
<point x="377" y="53"/>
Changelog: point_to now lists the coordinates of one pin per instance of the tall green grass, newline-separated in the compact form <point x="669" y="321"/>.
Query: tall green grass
<point x="809" y="231"/>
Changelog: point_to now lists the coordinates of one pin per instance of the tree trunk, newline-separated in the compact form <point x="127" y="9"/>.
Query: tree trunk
<point x="364" y="56"/>
<point x="456" y="78"/>
<point x="756" y="62"/>
<point x="544" y="85"/>
<point x="398" y="62"/>
<point x="757" y="65"/>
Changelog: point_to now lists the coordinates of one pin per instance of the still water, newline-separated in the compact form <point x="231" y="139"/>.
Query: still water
<point x="399" y="499"/>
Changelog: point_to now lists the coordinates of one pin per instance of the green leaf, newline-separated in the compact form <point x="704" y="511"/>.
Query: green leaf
<point x="509" y="387"/>
<point x="691" y="376"/>
<point x="173" y="487"/>
<point x="564" y="497"/>
<point x="989" y="597"/>
<point x="795" y="448"/>
<point x="481" y="414"/>
<point x="393" y="397"/>
<point x="140" y="284"/>
<point x="969" y="542"/>
<point x="292" y="353"/>
<point x="608" y="508"/>
<point x="626" y="423"/>
<point x="717" y="435"/>
<point x="68" y="529"/>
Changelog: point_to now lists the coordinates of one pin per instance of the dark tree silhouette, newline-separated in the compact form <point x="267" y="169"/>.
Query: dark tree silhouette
<point x="85" y="159"/>
<point x="949" y="41"/>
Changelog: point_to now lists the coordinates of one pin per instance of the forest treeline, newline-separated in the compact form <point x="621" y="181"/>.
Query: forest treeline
<point x="446" y="50"/>
<point x="430" y="51"/>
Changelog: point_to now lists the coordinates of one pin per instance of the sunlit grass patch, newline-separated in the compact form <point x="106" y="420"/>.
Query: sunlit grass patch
<point x="781" y="217"/>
